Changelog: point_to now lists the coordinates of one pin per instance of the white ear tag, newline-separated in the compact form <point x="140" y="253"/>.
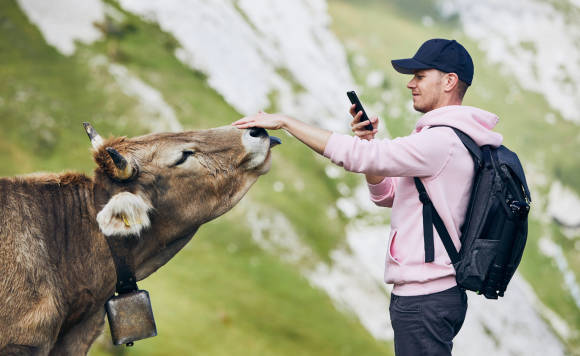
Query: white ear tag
<point x="125" y="214"/>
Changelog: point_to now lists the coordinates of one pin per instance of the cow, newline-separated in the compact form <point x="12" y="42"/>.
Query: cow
<point x="151" y="193"/>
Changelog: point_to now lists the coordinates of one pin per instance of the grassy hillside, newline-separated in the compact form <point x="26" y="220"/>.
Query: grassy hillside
<point x="226" y="297"/>
<point x="222" y="295"/>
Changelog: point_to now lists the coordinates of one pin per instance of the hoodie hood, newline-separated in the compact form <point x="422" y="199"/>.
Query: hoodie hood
<point x="474" y="122"/>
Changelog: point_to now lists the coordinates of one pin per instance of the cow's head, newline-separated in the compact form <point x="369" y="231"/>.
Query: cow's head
<point x="166" y="185"/>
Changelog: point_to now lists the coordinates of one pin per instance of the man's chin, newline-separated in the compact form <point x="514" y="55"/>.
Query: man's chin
<point x="420" y="109"/>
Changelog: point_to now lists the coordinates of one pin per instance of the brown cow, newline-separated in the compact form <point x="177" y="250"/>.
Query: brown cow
<point x="56" y="268"/>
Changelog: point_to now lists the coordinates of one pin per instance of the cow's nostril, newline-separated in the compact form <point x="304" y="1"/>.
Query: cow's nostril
<point x="257" y="132"/>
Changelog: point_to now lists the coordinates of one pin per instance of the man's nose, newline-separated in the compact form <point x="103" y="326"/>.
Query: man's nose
<point x="411" y="84"/>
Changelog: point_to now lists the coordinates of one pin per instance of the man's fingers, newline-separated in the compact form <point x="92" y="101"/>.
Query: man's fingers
<point x="364" y="135"/>
<point x="361" y="125"/>
<point x="244" y="123"/>
<point x="356" y="119"/>
<point x="361" y="132"/>
<point x="243" y="120"/>
<point x="354" y="123"/>
<point x="245" y="126"/>
<point x="351" y="111"/>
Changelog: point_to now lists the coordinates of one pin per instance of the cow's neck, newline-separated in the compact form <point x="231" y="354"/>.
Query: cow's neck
<point x="150" y="257"/>
<point x="74" y="246"/>
<point x="150" y="252"/>
<point x="72" y="230"/>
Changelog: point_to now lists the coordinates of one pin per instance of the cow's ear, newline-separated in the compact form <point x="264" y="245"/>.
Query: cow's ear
<point x="125" y="214"/>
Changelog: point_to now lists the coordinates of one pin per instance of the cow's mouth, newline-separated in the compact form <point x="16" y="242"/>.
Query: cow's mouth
<point x="274" y="141"/>
<point x="258" y="144"/>
<point x="266" y="164"/>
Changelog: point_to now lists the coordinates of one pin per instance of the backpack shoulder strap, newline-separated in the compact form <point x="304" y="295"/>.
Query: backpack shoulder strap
<point x="430" y="218"/>
<point x="471" y="146"/>
<point x="430" y="215"/>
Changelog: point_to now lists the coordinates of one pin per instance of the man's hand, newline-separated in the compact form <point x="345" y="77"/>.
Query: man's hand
<point x="262" y="119"/>
<point x="314" y="137"/>
<point x="359" y="127"/>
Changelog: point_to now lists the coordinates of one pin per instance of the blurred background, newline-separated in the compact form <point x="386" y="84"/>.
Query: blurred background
<point x="297" y="266"/>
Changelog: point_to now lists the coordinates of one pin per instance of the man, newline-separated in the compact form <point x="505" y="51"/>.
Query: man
<point x="427" y="307"/>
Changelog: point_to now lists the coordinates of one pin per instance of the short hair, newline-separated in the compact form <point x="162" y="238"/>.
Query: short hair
<point x="461" y="85"/>
<point x="461" y="88"/>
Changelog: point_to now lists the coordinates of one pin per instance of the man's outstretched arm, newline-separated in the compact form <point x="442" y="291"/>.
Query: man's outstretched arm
<point x="312" y="136"/>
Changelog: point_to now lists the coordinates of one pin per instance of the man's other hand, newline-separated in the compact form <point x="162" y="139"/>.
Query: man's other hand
<point x="359" y="127"/>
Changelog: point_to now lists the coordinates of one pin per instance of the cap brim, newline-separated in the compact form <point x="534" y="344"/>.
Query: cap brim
<point x="408" y="65"/>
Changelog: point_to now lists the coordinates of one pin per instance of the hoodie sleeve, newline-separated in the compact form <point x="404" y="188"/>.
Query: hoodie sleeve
<point x="423" y="154"/>
<point x="383" y="193"/>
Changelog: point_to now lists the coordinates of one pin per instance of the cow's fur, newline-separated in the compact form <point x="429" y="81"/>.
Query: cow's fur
<point x="57" y="271"/>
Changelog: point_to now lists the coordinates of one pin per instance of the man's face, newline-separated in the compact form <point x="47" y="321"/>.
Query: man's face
<point x="427" y="88"/>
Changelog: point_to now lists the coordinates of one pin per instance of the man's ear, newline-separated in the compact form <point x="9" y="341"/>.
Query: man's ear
<point x="451" y="81"/>
<point x="125" y="214"/>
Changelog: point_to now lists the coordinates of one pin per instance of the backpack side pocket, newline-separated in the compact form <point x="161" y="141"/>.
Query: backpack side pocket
<point x="471" y="271"/>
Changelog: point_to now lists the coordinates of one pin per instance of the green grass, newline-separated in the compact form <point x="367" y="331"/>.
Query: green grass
<point x="221" y="295"/>
<point x="46" y="97"/>
<point x="227" y="297"/>
<point x="536" y="266"/>
<point x="305" y="205"/>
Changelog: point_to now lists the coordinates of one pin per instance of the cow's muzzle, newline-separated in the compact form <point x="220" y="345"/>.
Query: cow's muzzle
<point x="274" y="141"/>
<point x="260" y="132"/>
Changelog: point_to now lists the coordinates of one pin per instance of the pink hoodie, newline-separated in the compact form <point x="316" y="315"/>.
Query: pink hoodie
<point x="445" y="167"/>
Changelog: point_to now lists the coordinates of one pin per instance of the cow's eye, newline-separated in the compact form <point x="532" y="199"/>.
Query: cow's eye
<point x="184" y="156"/>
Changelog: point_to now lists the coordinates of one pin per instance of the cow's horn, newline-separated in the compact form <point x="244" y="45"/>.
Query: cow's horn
<point x="124" y="169"/>
<point x="96" y="139"/>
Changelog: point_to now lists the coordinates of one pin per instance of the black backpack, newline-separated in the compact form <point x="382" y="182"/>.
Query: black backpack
<point x="494" y="233"/>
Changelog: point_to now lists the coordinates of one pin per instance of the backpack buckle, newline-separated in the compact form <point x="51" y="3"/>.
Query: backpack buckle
<point x="519" y="209"/>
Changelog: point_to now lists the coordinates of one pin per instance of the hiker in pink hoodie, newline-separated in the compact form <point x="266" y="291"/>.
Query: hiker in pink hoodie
<point x="427" y="308"/>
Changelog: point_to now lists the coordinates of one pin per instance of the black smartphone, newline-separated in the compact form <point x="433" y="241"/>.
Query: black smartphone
<point x="354" y="99"/>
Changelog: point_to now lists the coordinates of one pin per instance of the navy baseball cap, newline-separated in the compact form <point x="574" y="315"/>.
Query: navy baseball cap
<point x="445" y="55"/>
